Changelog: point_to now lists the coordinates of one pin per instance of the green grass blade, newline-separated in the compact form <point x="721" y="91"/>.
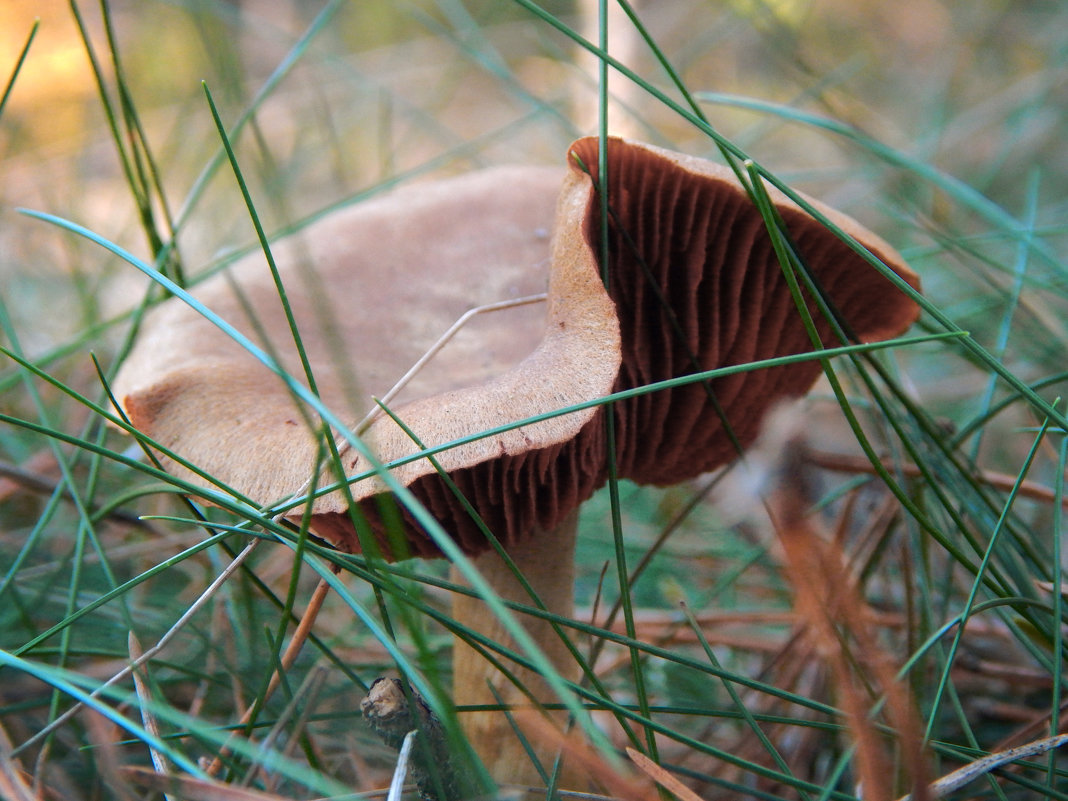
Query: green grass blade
<point x="19" y="63"/>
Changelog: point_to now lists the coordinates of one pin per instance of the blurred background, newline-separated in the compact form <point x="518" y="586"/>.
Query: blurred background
<point x="973" y="93"/>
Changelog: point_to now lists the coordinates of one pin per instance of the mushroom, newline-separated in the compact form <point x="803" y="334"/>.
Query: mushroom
<point x="692" y="282"/>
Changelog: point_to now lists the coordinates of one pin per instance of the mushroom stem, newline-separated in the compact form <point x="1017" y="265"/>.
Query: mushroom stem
<point x="546" y="560"/>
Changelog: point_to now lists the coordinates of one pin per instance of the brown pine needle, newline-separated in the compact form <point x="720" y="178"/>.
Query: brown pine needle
<point x="300" y="636"/>
<point x="838" y="622"/>
<point x="661" y="776"/>
<point x="845" y="463"/>
<point x="12" y="777"/>
<point x="579" y="753"/>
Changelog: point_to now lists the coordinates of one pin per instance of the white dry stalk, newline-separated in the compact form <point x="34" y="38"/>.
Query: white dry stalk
<point x="151" y="652"/>
<point x="973" y="770"/>
<point x="342" y="444"/>
<point x="396" y="786"/>
<point x="433" y="351"/>
<point x="144" y="696"/>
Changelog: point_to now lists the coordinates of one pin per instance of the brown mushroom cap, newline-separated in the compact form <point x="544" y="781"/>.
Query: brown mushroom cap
<point x="373" y="287"/>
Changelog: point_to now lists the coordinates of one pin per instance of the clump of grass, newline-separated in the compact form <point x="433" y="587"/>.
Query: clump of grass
<point x="730" y="664"/>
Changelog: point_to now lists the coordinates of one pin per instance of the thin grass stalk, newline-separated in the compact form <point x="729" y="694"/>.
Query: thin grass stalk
<point x="1012" y="302"/>
<point x="75" y="686"/>
<point x="20" y="61"/>
<point x="274" y="80"/>
<point x="1059" y="530"/>
<point x="469" y="38"/>
<point x="622" y="574"/>
<point x="861" y="438"/>
<point x="85" y="536"/>
<point x="162" y="643"/>
<point x="163" y="245"/>
<point x="367" y="541"/>
<point x="977" y="584"/>
<point x="63" y="683"/>
<point x="368" y="544"/>
<point x="958" y="190"/>
<point x="746" y="715"/>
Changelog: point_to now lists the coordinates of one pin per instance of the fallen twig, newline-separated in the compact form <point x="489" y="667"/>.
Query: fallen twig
<point x="393" y="714"/>
<point x="980" y="767"/>
<point x="17" y="477"/>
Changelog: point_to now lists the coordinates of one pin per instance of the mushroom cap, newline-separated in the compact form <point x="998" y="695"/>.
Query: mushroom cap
<point x="374" y="286"/>
<point x="685" y="236"/>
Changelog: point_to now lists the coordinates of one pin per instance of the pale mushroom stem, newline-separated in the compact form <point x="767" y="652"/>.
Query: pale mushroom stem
<point x="546" y="560"/>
